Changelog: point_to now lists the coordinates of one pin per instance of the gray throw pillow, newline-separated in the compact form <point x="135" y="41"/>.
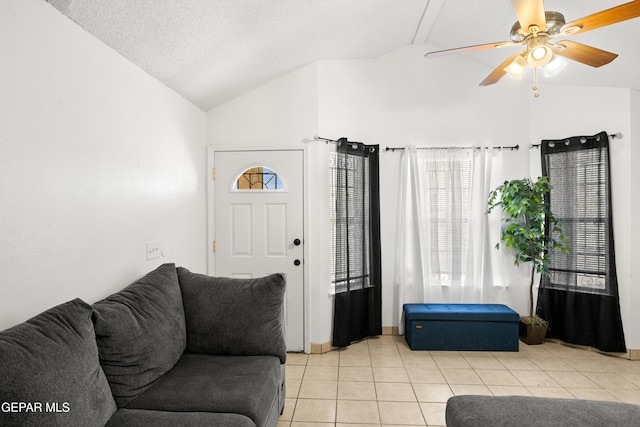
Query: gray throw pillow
<point x="49" y="365"/>
<point x="234" y="316"/>
<point x="140" y="332"/>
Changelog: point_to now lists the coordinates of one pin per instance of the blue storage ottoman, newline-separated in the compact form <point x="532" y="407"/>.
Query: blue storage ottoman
<point x="469" y="327"/>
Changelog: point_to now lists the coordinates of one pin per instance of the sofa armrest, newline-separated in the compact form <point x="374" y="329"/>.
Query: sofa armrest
<point x="242" y="317"/>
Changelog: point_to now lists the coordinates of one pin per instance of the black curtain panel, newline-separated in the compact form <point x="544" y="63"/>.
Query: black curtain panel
<point x="579" y="297"/>
<point x="358" y="302"/>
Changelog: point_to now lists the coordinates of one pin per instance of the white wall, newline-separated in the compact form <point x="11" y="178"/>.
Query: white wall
<point x="96" y="159"/>
<point x="392" y="101"/>
<point x="401" y="99"/>
<point x="631" y="295"/>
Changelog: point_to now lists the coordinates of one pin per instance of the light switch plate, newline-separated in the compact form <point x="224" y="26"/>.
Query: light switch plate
<point x="153" y="250"/>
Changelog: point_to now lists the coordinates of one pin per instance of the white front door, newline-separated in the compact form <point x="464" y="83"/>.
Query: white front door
<point x="258" y="223"/>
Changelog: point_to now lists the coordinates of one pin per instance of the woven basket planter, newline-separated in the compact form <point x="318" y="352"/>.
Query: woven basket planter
<point x="533" y="334"/>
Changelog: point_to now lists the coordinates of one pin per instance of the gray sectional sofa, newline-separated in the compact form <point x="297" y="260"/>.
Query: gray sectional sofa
<point x="174" y="348"/>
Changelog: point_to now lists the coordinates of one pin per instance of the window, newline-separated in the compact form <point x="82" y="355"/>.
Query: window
<point x="349" y="223"/>
<point x="333" y="183"/>
<point x="579" y="197"/>
<point x="445" y="182"/>
<point x="258" y="178"/>
<point x="590" y="223"/>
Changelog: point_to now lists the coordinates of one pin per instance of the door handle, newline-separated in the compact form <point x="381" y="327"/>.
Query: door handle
<point x="296" y="262"/>
<point x="297" y="242"/>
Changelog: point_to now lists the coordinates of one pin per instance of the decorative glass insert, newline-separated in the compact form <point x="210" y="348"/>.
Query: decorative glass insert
<point x="258" y="178"/>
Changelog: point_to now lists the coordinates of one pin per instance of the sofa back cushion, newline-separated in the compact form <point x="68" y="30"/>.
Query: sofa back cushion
<point x="140" y="332"/>
<point x="243" y="317"/>
<point x="49" y="371"/>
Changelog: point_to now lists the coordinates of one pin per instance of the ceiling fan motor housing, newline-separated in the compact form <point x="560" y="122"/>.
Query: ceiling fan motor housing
<point x="554" y="21"/>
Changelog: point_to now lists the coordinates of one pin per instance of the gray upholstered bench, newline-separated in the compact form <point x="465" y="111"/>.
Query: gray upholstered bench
<point x="522" y="411"/>
<point x="472" y="327"/>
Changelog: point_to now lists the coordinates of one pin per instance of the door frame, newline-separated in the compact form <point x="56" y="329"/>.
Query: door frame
<point x="211" y="257"/>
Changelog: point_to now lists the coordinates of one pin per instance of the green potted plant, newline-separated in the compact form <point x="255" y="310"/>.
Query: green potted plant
<point x="524" y="209"/>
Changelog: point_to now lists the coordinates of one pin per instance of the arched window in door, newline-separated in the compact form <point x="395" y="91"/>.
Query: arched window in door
<point x="258" y="178"/>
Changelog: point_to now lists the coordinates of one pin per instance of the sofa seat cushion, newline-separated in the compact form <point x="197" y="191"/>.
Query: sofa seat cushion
<point x="524" y="411"/>
<point x="50" y="362"/>
<point x="242" y="317"/>
<point x="144" y="418"/>
<point x="246" y="385"/>
<point x="140" y="332"/>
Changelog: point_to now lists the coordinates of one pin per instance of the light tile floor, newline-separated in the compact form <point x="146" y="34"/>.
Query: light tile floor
<point x="381" y="382"/>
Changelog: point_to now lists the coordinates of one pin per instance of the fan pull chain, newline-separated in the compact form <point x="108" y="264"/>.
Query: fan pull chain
<point x="535" y="82"/>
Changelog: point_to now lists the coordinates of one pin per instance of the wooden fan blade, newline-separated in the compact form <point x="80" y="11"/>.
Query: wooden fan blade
<point x="530" y="12"/>
<point x="499" y="72"/>
<point x="603" y="18"/>
<point x="469" y="49"/>
<point x="582" y="53"/>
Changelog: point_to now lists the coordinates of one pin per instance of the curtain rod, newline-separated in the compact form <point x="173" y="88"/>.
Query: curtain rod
<point x="326" y="140"/>
<point x="392" y="149"/>
<point x="514" y="147"/>
<point x="617" y="135"/>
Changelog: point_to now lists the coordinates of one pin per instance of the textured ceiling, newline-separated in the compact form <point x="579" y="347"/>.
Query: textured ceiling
<point x="211" y="51"/>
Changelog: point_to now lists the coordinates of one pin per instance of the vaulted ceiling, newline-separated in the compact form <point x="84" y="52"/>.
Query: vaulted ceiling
<point x="211" y="51"/>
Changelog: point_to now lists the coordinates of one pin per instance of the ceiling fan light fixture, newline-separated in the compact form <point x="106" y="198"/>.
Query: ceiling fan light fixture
<point x="556" y="64"/>
<point x="517" y="67"/>
<point x="539" y="53"/>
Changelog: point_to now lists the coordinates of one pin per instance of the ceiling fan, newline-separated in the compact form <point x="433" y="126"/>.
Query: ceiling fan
<point x="536" y="28"/>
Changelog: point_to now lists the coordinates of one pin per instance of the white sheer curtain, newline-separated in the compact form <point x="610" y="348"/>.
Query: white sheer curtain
<point x="444" y="238"/>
